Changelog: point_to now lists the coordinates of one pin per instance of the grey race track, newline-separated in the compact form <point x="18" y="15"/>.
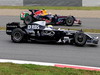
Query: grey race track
<point x="89" y="55"/>
<point x="87" y="23"/>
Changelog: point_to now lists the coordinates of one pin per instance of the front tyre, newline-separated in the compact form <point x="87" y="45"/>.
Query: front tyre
<point x="18" y="36"/>
<point x="80" y="39"/>
<point x="69" y="21"/>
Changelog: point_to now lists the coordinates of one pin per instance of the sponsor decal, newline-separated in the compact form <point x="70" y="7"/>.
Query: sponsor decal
<point x="33" y="27"/>
<point x="48" y="33"/>
<point x="23" y="15"/>
<point x="8" y="31"/>
<point x="11" y="26"/>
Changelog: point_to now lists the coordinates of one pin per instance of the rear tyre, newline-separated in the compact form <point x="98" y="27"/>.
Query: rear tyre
<point x="80" y="39"/>
<point x="18" y="36"/>
<point x="28" y="20"/>
<point x="69" y="21"/>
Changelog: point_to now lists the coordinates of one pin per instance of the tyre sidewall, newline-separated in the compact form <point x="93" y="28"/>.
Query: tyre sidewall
<point x="83" y="40"/>
<point x="69" y="21"/>
<point x="17" y="35"/>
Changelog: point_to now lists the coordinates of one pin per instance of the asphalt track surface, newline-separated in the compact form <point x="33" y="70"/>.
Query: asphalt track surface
<point x="87" y="23"/>
<point x="89" y="55"/>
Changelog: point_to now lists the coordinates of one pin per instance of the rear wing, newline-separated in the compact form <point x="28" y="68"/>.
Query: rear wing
<point x="11" y="26"/>
<point x="33" y="10"/>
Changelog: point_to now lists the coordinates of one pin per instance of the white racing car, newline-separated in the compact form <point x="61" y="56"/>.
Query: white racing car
<point x="39" y="32"/>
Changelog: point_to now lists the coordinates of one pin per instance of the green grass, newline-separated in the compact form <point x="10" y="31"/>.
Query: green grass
<point x="29" y="69"/>
<point x="50" y="7"/>
<point x="2" y="28"/>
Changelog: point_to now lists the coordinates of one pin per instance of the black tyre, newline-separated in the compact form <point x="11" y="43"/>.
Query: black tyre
<point x="28" y="20"/>
<point x="80" y="39"/>
<point x="69" y="21"/>
<point x="18" y="36"/>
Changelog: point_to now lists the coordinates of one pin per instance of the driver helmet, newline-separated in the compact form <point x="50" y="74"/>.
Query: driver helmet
<point x="44" y="12"/>
<point x="50" y="26"/>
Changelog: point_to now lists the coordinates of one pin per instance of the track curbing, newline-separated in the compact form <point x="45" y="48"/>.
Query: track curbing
<point x="51" y="64"/>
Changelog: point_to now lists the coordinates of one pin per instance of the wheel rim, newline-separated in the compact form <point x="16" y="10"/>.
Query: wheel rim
<point x="69" y="21"/>
<point x="27" y="20"/>
<point x="80" y="38"/>
<point x="17" y="36"/>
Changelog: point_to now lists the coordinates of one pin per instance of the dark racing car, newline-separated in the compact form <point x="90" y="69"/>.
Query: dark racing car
<point x="42" y="15"/>
<point x="39" y="32"/>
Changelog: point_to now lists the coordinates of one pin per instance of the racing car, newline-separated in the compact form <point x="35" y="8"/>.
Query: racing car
<point x="37" y="15"/>
<point x="38" y="31"/>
